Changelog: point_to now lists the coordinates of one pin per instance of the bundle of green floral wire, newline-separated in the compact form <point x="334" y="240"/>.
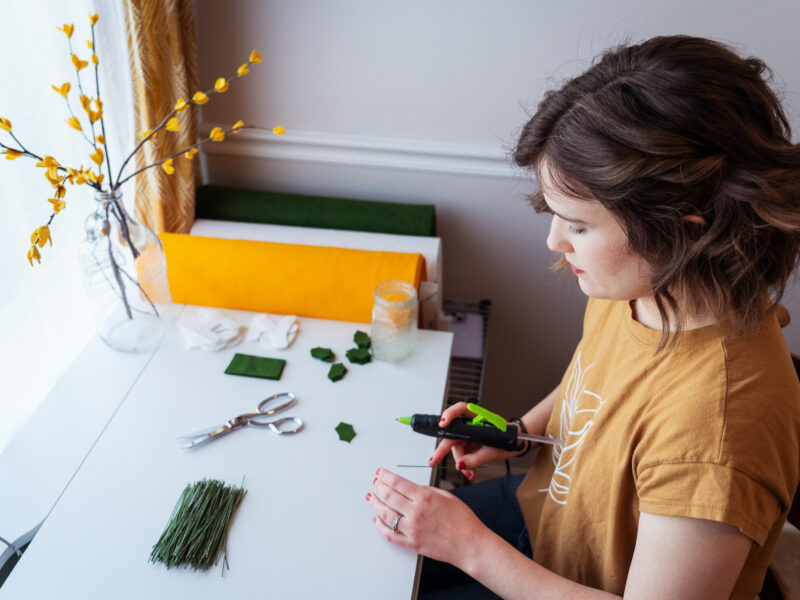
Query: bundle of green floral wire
<point x="197" y="530"/>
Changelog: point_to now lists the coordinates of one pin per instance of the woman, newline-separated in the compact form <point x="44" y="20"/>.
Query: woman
<point x="675" y="193"/>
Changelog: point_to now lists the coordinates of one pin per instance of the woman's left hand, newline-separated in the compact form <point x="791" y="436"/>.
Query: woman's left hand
<point x="433" y="522"/>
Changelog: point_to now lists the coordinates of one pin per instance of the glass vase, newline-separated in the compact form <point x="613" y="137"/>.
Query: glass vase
<point x="125" y="275"/>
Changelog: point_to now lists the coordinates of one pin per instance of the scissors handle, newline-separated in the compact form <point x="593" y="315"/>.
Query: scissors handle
<point x="279" y="426"/>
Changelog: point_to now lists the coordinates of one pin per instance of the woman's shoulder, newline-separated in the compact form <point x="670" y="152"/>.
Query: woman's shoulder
<point x="733" y="401"/>
<point x="762" y="395"/>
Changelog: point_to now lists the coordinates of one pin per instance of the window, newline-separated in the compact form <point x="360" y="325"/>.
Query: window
<point x="44" y="320"/>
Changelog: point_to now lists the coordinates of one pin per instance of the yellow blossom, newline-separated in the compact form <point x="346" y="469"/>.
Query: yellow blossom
<point x="200" y="98"/>
<point x="100" y="139"/>
<point x="237" y="127"/>
<point x="81" y="176"/>
<point x="221" y="85"/>
<point x="71" y="175"/>
<point x="217" y="134"/>
<point x="93" y="19"/>
<point x="12" y="154"/>
<point x="99" y="179"/>
<point x="145" y="133"/>
<point x="79" y="64"/>
<point x="98" y="104"/>
<point x="243" y="70"/>
<point x="95" y="116"/>
<point x="85" y="102"/>
<point x="255" y="57"/>
<point x="47" y="162"/>
<point x="41" y="236"/>
<point x="95" y="61"/>
<point x="97" y="157"/>
<point x="52" y="176"/>
<point x="58" y="205"/>
<point x="5" y="124"/>
<point x="63" y="90"/>
<point x="67" y="29"/>
<point x="167" y="166"/>
<point x="34" y="253"/>
<point x="51" y="164"/>
<point x="90" y="44"/>
<point x="74" y="123"/>
<point x="60" y="191"/>
<point x="279" y="130"/>
<point x="190" y="153"/>
<point x="173" y="125"/>
<point x="181" y="105"/>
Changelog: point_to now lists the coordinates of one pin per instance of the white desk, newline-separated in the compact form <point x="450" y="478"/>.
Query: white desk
<point x="46" y="452"/>
<point x="303" y="530"/>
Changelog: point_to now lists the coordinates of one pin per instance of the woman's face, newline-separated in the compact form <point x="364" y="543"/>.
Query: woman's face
<point x="594" y="243"/>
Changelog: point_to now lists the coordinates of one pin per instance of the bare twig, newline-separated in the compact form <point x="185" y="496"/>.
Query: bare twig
<point x="102" y="122"/>
<point x="115" y="270"/>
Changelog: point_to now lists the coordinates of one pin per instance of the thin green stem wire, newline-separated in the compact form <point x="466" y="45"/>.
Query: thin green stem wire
<point x="196" y="533"/>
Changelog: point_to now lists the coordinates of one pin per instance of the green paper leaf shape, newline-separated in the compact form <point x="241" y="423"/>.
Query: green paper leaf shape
<point x="336" y="372"/>
<point x="362" y="339"/>
<point x="359" y="356"/>
<point x="345" y="431"/>
<point x="325" y="354"/>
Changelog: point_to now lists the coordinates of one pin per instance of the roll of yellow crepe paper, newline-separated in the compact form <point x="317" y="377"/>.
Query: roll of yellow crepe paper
<point x="290" y="279"/>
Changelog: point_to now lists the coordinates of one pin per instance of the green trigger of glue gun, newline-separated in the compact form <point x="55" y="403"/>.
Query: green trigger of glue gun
<point x="486" y="428"/>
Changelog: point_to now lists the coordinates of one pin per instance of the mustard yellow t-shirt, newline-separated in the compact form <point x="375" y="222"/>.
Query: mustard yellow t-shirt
<point x="707" y="429"/>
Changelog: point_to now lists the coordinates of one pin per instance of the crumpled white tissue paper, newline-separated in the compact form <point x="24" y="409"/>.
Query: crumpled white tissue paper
<point x="273" y="331"/>
<point x="208" y="329"/>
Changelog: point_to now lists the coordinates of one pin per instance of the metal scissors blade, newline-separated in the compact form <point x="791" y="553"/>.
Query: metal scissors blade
<point x="214" y="433"/>
<point x="199" y="438"/>
<point x="200" y="433"/>
<point x="214" y="430"/>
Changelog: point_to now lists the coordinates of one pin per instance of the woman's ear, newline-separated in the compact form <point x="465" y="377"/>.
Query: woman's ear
<point x="696" y="219"/>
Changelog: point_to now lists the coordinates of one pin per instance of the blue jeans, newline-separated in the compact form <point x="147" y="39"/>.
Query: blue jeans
<point x="495" y="504"/>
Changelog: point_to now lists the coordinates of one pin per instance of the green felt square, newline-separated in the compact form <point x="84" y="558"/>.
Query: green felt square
<point x="256" y="366"/>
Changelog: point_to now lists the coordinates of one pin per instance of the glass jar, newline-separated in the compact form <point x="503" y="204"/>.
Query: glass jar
<point x="394" y="320"/>
<point x="125" y="275"/>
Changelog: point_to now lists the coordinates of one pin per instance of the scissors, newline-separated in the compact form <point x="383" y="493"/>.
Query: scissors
<point x="266" y="408"/>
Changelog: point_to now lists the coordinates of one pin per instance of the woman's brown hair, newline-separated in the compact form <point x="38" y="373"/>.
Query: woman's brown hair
<point x="679" y="127"/>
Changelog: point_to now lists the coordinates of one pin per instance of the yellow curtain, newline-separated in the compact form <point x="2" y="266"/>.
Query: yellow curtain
<point x="163" y="56"/>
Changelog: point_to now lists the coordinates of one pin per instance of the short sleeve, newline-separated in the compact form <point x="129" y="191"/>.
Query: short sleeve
<point x="709" y="491"/>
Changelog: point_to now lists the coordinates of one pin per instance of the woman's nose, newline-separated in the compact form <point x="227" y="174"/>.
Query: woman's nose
<point x="557" y="239"/>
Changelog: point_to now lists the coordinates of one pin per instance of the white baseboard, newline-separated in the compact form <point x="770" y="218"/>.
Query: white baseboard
<point x="365" y="151"/>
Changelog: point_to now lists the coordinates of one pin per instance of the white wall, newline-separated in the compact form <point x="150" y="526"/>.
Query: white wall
<point x="420" y="101"/>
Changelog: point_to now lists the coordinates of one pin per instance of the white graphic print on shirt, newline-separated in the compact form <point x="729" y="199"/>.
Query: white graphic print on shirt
<point x="577" y="419"/>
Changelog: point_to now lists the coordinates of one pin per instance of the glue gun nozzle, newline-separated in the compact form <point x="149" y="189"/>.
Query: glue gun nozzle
<point x="405" y="420"/>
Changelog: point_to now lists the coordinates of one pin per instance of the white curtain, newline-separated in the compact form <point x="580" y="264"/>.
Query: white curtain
<point x="44" y="321"/>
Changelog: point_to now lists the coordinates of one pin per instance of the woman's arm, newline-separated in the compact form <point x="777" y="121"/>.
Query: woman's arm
<point x="675" y="557"/>
<point x="536" y="419"/>
<point x="681" y="557"/>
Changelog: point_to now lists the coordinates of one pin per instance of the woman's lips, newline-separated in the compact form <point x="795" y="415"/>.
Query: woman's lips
<point x="576" y="270"/>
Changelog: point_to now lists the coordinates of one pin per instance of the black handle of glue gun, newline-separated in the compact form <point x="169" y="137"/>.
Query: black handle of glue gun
<point x="461" y="429"/>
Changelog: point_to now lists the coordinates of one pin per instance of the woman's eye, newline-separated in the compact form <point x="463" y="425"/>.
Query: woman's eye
<point x="574" y="231"/>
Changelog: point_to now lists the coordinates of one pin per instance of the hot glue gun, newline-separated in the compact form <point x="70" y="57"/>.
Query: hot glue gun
<point x="486" y="428"/>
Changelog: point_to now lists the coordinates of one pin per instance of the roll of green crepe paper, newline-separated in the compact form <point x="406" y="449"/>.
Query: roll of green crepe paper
<point x="231" y="204"/>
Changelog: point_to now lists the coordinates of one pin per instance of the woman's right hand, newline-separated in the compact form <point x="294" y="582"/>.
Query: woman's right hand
<point x="467" y="455"/>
